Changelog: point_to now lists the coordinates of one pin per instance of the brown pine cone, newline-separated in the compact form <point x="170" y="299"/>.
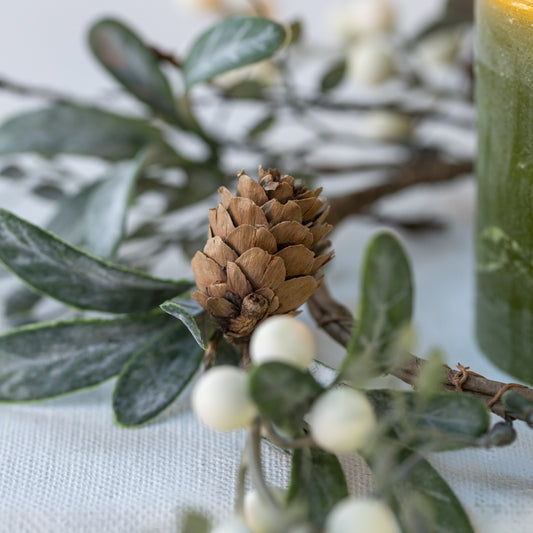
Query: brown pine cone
<point x="264" y="252"/>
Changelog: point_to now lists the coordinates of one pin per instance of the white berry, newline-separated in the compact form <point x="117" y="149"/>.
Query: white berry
<point x="364" y="515"/>
<point x="364" y="18"/>
<point x="235" y="525"/>
<point x="259" y="515"/>
<point x="384" y="125"/>
<point x="439" y="48"/>
<point x="370" y="62"/>
<point x="198" y="5"/>
<point x="342" y="420"/>
<point x="285" y="339"/>
<point x="221" y="399"/>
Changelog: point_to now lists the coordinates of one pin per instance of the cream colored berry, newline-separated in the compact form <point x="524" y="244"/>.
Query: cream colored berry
<point x="385" y="125"/>
<point x="221" y="399"/>
<point x="370" y="62"/>
<point x="439" y="48"/>
<point x="259" y="515"/>
<point x="364" y="515"/>
<point x="235" y="525"/>
<point x="198" y="5"/>
<point x="285" y="339"/>
<point x="265" y="72"/>
<point x="342" y="420"/>
<point x="363" y="18"/>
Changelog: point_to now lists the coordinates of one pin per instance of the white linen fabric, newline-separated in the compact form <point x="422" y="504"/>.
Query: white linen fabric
<point x="66" y="466"/>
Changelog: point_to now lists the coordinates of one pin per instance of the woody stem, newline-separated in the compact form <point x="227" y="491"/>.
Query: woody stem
<point x="337" y="321"/>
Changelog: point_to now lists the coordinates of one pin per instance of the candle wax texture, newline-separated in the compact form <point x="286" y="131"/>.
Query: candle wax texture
<point x="504" y="233"/>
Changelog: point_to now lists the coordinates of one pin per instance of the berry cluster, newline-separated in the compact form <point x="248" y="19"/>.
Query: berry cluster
<point x="341" y="420"/>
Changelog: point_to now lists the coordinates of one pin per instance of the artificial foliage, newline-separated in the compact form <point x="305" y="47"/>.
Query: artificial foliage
<point x="266" y="246"/>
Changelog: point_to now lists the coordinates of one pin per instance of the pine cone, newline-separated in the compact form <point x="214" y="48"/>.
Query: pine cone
<point x="264" y="252"/>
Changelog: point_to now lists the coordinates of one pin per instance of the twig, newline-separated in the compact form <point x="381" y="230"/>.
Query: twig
<point x="166" y="56"/>
<point x="422" y="169"/>
<point x="255" y="467"/>
<point x="275" y="100"/>
<point x="34" y="91"/>
<point x="284" y="442"/>
<point x="322" y="306"/>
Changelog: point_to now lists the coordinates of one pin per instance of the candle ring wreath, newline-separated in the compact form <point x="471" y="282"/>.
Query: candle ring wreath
<point x="234" y="334"/>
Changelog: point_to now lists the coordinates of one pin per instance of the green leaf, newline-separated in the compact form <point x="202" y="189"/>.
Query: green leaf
<point x="192" y="315"/>
<point x="230" y="44"/>
<point x="127" y="58"/>
<point x="518" y="406"/>
<point x="81" y="221"/>
<point x="194" y="522"/>
<point x="68" y="222"/>
<point x="433" y="499"/>
<point x="283" y="393"/>
<point x="105" y="215"/>
<point x="246" y="90"/>
<point x="296" y="32"/>
<point x="431" y="375"/>
<point x="262" y="125"/>
<point x="455" y="12"/>
<point x="75" y="129"/>
<point x="385" y="312"/>
<point x="52" y="266"/>
<point x="19" y="305"/>
<point x="442" y="421"/>
<point x="155" y="376"/>
<point x="317" y="482"/>
<point x="51" y="359"/>
<point x="333" y="76"/>
<point x="227" y="353"/>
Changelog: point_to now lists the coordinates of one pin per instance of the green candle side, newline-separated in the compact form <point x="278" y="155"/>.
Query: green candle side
<point x="504" y="231"/>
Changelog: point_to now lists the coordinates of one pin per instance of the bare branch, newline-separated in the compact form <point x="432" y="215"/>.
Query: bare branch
<point x="422" y="169"/>
<point x="337" y="321"/>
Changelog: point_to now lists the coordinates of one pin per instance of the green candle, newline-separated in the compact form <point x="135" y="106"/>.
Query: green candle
<point x="504" y="233"/>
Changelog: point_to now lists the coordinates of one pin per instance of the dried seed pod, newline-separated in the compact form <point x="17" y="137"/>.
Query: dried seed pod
<point x="265" y="250"/>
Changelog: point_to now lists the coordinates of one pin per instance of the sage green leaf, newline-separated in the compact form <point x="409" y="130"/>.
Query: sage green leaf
<point x="192" y="315"/>
<point x="455" y="13"/>
<point x="227" y="353"/>
<point x="68" y="274"/>
<point x="194" y="522"/>
<point x="262" y="125"/>
<point x="296" y="32"/>
<point x="50" y="359"/>
<point x="19" y="305"/>
<point x="127" y="58"/>
<point x="333" y="76"/>
<point x="68" y="222"/>
<point x="442" y="421"/>
<point x="428" y="498"/>
<point x="283" y="393"/>
<point x="105" y="215"/>
<point x="317" y="483"/>
<point x="378" y="340"/>
<point x="432" y="374"/>
<point x="156" y="375"/>
<point x="518" y="406"/>
<point x="230" y="44"/>
<point x="76" y="129"/>
<point x="246" y="90"/>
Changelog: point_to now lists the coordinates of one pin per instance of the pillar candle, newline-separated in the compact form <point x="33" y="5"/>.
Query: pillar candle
<point x="504" y="231"/>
